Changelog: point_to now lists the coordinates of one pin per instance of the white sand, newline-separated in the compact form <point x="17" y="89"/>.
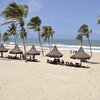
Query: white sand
<point x="43" y="81"/>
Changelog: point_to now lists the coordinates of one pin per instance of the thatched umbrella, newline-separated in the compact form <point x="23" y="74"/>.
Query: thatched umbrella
<point x="33" y="52"/>
<point x="3" y="49"/>
<point x="54" y="53"/>
<point x="16" y="50"/>
<point x="81" y="54"/>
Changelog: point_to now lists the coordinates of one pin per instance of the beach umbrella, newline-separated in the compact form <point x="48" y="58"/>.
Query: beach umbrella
<point x="81" y="54"/>
<point x="16" y="50"/>
<point x="33" y="51"/>
<point x="3" y="49"/>
<point x="54" y="53"/>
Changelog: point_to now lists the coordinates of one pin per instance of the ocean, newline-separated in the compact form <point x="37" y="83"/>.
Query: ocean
<point x="66" y="44"/>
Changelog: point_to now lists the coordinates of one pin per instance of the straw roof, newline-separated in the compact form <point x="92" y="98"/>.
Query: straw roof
<point x="3" y="49"/>
<point x="54" y="53"/>
<point x="16" y="50"/>
<point x="81" y="54"/>
<point x="33" y="51"/>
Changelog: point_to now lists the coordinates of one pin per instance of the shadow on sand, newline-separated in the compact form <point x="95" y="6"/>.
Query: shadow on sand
<point x="91" y="62"/>
<point x="87" y="67"/>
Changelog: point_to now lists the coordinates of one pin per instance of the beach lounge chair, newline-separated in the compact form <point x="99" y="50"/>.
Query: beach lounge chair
<point x="48" y="61"/>
<point x="67" y="63"/>
<point x="35" y="60"/>
<point x="71" y="64"/>
<point x="77" y="65"/>
<point x="62" y="62"/>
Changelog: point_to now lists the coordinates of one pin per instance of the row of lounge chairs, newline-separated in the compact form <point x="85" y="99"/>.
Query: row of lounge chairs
<point x="32" y="60"/>
<point x="62" y="62"/>
<point x="72" y="64"/>
<point x="13" y="57"/>
<point x="55" y="61"/>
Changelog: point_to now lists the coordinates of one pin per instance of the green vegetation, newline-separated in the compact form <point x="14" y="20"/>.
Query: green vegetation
<point x="84" y="30"/>
<point x="47" y="33"/>
<point x="35" y="24"/>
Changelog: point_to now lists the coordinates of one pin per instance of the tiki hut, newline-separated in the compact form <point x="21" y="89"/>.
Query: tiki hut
<point x="81" y="54"/>
<point x="3" y="49"/>
<point x="33" y="52"/>
<point x="16" y="50"/>
<point x="54" y="53"/>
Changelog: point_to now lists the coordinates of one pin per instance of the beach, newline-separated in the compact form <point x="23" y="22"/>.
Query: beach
<point x="44" y="81"/>
<point x="47" y="54"/>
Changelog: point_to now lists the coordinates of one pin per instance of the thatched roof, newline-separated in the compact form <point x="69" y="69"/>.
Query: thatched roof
<point x="33" y="51"/>
<point x="3" y="49"/>
<point x="16" y="50"/>
<point x="81" y="54"/>
<point x="54" y="53"/>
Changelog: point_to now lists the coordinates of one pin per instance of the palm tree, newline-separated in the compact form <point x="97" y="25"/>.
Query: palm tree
<point x="80" y="38"/>
<point x="47" y="32"/>
<point x="84" y="29"/>
<point x="0" y="38"/>
<point x="17" y="12"/>
<point x="98" y="22"/>
<point x="13" y="31"/>
<point x="5" y="36"/>
<point x="35" y="24"/>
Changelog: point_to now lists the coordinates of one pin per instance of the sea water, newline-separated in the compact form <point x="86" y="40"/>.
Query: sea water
<point x="65" y="44"/>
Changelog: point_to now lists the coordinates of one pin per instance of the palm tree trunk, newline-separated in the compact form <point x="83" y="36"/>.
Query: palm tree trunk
<point x="49" y="44"/>
<point x="0" y="38"/>
<point x="15" y="39"/>
<point x="1" y="54"/>
<point x="81" y="62"/>
<point x="90" y="46"/>
<point x="81" y="43"/>
<point x="40" y="43"/>
<point x="24" y="40"/>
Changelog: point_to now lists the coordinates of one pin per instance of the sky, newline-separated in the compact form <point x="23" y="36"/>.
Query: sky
<point x="64" y="16"/>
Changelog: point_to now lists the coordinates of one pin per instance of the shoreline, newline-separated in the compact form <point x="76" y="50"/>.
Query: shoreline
<point x="61" y="47"/>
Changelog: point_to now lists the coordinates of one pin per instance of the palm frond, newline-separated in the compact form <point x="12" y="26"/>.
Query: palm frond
<point x="5" y="36"/>
<point x="47" y="32"/>
<point x="7" y="23"/>
<point x="34" y="23"/>
<point x="15" y="11"/>
<point x="98" y="22"/>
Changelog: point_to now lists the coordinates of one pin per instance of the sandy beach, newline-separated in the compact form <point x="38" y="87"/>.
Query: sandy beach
<point x="43" y="81"/>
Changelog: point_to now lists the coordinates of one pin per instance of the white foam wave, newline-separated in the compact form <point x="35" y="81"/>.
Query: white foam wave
<point x="76" y="47"/>
<point x="66" y="47"/>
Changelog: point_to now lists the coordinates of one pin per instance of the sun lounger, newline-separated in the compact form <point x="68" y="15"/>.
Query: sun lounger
<point x="77" y="65"/>
<point x="62" y="62"/>
<point x="71" y="64"/>
<point x="67" y="63"/>
<point x="48" y="60"/>
<point x="35" y="60"/>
